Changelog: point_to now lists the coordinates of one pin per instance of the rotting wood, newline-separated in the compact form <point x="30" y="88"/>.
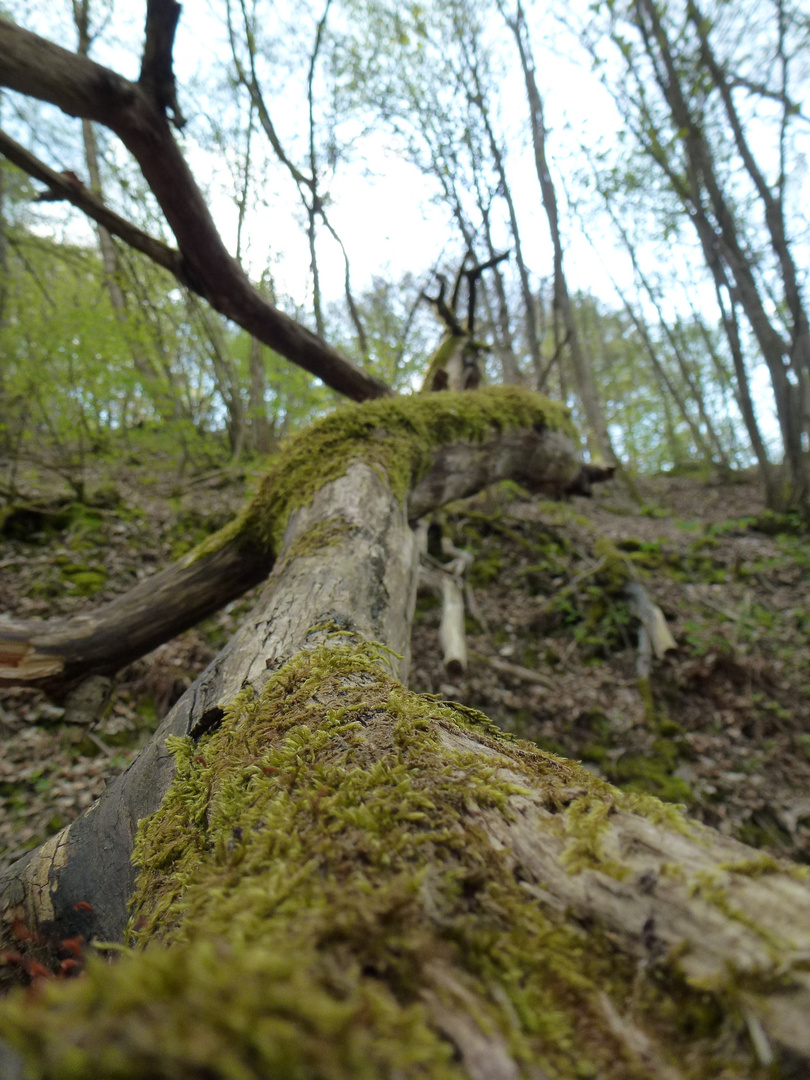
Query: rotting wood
<point x="54" y="653"/>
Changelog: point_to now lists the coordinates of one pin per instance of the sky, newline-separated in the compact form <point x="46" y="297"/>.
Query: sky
<point x="381" y="205"/>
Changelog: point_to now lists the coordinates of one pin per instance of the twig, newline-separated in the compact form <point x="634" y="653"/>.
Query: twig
<point x="572" y="584"/>
<point x="517" y="671"/>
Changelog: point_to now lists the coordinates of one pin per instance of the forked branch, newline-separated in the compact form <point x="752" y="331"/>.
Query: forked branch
<point x="136" y="113"/>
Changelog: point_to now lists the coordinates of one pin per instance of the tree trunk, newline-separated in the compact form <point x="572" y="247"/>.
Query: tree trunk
<point x="529" y="315"/>
<point x="597" y="430"/>
<point x="165" y="402"/>
<point x="502" y="328"/>
<point x="689" y="381"/>
<point x="724" y="248"/>
<point x="342" y="879"/>
<point x="5" y="437"/>
<point x="261" y="429"/>
<point x="225" y="375"/>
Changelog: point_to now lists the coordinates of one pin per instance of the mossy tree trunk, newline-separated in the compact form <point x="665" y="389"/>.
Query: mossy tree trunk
<point x="340" y="878"/>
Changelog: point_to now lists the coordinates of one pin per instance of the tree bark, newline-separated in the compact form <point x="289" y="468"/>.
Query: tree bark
<point x="724" y="250"/>
<point x="261" y="429"/>
<point x="345" y="559"/>
<point x="597" y="428"/>
<point x="52" y="654"/>
<point x="166" y="403"/>
<point x="343" y="879"/>
<point x="529" y="315"/>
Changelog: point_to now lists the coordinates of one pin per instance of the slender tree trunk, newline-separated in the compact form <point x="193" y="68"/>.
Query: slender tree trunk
<point x="721" y="243"/>
<point x="585" y="386"/>
<point x="5" y="432"/>
<point x="501" y="323"/>
<point x="695" y="391"/>
<point x="261" y="431"/>
<point x="773" y="204"/>
<point x="226" y="375"/>
<point x="773" y="493"/>
<point x="529" y="318"/>
<point x="3" y="252"/>
<point x="667" y="387"/>
<point x="164" y="400"/>
<point x="316" y="202"/>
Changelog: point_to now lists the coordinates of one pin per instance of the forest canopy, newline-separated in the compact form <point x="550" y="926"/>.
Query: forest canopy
<point x="654" y="223"/>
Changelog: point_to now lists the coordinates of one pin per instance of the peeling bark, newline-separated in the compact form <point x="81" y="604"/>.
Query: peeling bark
<point x="649" y="904"/>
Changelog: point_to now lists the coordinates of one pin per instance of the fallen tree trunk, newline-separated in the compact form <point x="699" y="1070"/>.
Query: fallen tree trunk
<point x="339" y="878"/>
<point x="514" y="435"/>
<point x="334" y="565"/>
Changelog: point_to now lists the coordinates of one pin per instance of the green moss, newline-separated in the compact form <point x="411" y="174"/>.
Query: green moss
<point x="86" y="580"/>
<point x="652" y="774"/>
<point x="191" y="526"/>
<point x="395" y="435"/>
<point x="425" y="603"/>
<point x="485" y="569"/>
<point x="322" y="535"/>
<point x="615" y="570"/>
<point x="595" y="752"/>
<point x="758" y="866"/>
<point x="106" y="496"/>
<point x="645" y="692"/>
<point x="775" y="524"/>
<point x="318" y="898"/>
<point x="444" y="353"/>
<point x="586" y="822"/>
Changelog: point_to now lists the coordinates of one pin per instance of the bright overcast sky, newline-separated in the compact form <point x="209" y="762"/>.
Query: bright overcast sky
<point x="381" y="205"/>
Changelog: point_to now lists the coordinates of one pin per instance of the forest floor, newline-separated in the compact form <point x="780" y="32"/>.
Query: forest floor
<point x="722" y="724"/>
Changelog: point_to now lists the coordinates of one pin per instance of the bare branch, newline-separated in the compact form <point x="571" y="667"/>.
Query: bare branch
<point x="793" y="108"/>
<point x="80" y="87"/>
<point x="64" y="186"/>
<point x="157" y="73"/>
<point x="53" y="653"/>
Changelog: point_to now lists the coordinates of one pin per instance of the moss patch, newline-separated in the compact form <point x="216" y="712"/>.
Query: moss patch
<point x="85" y="580"/>
<point x="396" y="435"/>
<point x="317" y="898"/>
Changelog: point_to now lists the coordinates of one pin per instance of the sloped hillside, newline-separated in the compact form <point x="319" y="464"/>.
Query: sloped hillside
<point x="721" y="723"/>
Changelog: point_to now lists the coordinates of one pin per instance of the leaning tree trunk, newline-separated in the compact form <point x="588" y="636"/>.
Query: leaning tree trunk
<point x="340" y="878"/>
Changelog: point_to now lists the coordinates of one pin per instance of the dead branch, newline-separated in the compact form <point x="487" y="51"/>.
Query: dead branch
<point x="52" y="654"/>
<point x="61" y="186"/>
<point x="80" y="87"/>
<point x="157" y="73"/>
<point x="515" y="671"/>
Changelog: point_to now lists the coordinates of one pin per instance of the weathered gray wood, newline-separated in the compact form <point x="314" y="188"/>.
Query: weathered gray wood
<point x="363" y="583"/>
<point x="53" y="653"/>
<point x="671" y="895"/>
